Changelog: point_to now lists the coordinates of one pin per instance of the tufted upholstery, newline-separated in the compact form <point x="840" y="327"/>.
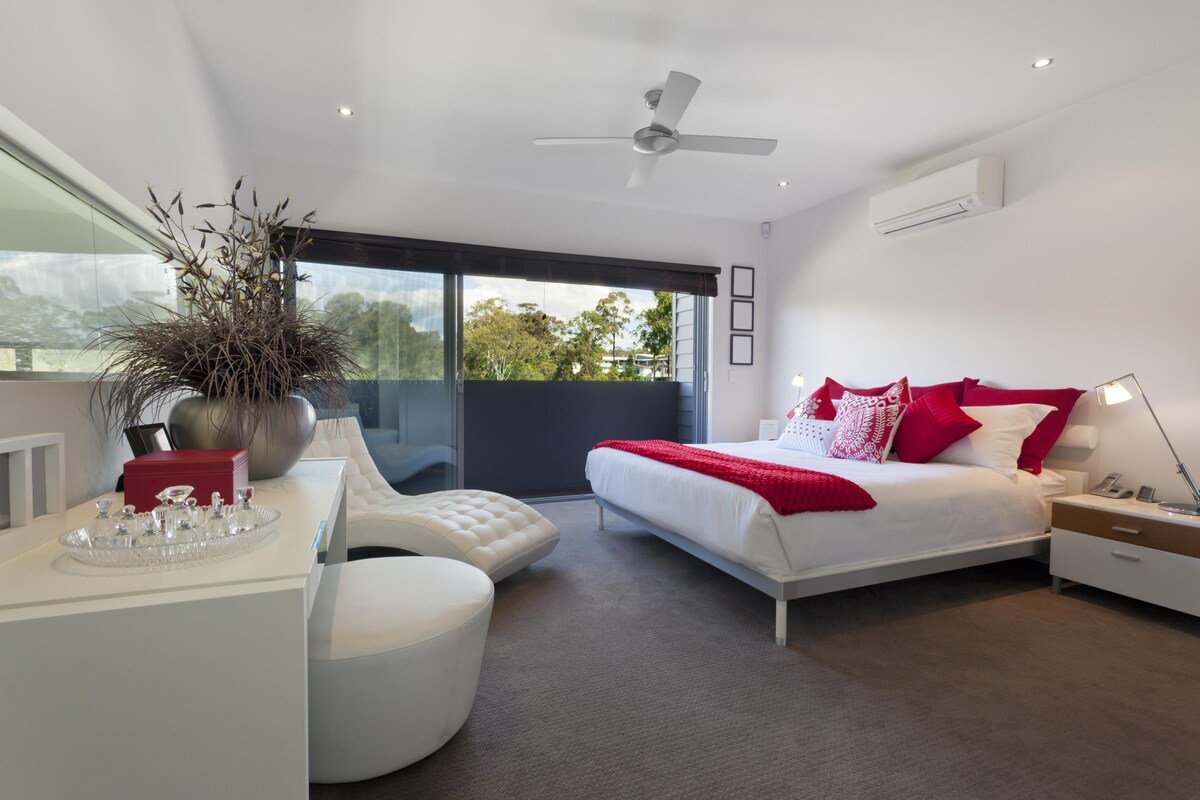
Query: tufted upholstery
<point x="494" y="532"/>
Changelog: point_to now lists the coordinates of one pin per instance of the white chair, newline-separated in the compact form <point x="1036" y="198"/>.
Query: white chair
<point x="491" y="531"/>
<point x="395" y="647"/>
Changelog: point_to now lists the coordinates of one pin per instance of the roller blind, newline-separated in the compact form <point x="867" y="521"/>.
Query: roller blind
<point x="423" y="255"/>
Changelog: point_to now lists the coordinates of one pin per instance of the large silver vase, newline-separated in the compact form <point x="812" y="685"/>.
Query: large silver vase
<point x="284" y="429"/>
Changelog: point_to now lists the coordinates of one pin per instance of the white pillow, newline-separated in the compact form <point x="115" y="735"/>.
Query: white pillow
<point x="809" y="435"/>
<point x="997" y="442"/>
<point x="1052" y="483"/>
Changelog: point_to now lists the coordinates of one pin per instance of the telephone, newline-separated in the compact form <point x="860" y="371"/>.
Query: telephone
<point x="1110" y="488"/>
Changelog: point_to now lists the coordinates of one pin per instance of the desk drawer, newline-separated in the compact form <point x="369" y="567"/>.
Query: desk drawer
<point x="1152" y="533"/>
<point x="1156" y="576"/>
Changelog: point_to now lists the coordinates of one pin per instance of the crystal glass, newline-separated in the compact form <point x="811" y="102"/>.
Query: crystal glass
<point x="102" y="527"/>
<point x="140" y="550"/>
<point x="168" y="513"/>
<point x="217" y="524"/>
<point x="244" y="517"/>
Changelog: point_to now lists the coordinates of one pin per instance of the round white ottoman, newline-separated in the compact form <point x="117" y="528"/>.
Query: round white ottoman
<point x="394" y="651"/>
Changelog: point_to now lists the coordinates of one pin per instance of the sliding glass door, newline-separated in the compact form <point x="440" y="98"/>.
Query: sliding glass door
<point x="404" y="326"/>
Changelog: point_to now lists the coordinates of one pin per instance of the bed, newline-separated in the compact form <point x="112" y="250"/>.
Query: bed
<point x="928" y="518"/>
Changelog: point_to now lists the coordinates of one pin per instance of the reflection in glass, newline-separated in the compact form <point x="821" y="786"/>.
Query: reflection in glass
<point x="404" y="397"/>
<point x="65" y="270"/>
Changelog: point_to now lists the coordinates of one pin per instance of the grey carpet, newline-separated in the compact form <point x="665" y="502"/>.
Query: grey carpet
<point x="621" y="667"/>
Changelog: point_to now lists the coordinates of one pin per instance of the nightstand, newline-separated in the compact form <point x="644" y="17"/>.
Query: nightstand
<point x="1131" y="548"/>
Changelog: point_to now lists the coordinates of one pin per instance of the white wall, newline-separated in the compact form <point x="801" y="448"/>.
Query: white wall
<point x="1089" y="272"/>
<point x="117" y="87"/>
<point x="369" y="202"/>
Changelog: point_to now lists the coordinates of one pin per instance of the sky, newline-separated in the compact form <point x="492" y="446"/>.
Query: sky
<point x="422" y="292"/>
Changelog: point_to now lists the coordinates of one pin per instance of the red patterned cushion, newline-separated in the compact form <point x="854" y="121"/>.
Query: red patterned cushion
<point x="868" y="423"/>
<point x="1038" y="443"/>
<point x="816" y="406"/>
<point x="931" y="423"/>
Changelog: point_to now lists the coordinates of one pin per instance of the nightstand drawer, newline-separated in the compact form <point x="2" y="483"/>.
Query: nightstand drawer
<point x="1155" y="576"/>
<point x="1151" y="533"/>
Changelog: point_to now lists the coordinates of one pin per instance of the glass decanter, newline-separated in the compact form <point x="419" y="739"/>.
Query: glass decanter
<point x="123" y="528"/>
<point x="244" y="516"/>
<point x="217" y="524"/>
<point x="187" y="516"/>
<point x="166" y="515"/>
<point x="101" y="529"/>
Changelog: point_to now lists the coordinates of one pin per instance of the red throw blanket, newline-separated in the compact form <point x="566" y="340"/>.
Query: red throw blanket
<point x="789" y="490"/>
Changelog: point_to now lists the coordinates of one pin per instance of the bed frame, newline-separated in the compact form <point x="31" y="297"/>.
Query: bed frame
<point x="833" y="579"/>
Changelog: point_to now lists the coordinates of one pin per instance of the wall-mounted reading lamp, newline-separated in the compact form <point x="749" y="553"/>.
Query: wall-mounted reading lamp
<point x="1116" y="391"/>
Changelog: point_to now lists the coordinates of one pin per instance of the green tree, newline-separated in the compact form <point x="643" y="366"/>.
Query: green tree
<point x="615" y="311"/>
<point x="655" y="329"/>
<point x="498" y="344"/>
<point x="580" y="355"/>
<point x="387" y="344"/>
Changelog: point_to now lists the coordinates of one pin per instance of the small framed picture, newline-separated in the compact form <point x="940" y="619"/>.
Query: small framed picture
<point x="741" y="318"/>
<point x="145" y="439"/>
<point x="743" y="282"/>
<point x="741" y="349"/>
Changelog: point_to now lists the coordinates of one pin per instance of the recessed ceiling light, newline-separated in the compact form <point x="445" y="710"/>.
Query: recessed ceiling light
<point x="782" y="184"/>
<point x="1042" y="63"/>
<point x="346" y="111"/>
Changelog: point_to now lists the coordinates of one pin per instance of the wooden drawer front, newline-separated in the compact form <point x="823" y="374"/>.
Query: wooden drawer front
<point x="1152" y="533"/>
<point x="1155" y="576"/>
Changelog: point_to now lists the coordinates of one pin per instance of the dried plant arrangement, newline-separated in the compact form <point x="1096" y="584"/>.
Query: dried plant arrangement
<point x="237" y="334"/>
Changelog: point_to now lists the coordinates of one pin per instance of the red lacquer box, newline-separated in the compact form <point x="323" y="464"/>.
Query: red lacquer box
<point x="206" y="471"/>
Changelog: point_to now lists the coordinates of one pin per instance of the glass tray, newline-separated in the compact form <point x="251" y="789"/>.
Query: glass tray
<point x="140" y="550"/>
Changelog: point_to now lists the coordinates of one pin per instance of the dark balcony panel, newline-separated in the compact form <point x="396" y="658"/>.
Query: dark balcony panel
<point x="532" y="437"/>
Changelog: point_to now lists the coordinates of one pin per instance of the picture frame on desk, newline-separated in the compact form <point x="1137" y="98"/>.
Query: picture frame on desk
<point x="151" y="438"/>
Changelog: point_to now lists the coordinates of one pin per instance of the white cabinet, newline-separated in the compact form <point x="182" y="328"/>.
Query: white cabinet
<point x="1131" y="548"/>
<point x="185" y="682"/>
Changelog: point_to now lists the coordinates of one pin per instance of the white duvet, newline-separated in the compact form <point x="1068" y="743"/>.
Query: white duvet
<point x="920" y="509"/>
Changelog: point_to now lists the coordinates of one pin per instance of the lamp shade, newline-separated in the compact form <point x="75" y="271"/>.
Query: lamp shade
<point x="1113" y="392"/>
<point x="798" y="380"/>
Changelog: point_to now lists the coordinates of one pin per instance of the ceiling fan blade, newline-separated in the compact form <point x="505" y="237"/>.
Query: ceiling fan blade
<point x="674" y="100"/>
<point x="625" y="140"/>
<point x="728" y="144"/>
<point x="641" y="172"/>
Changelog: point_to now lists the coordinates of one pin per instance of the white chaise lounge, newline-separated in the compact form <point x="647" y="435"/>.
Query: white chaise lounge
<point x="491" y="531"/>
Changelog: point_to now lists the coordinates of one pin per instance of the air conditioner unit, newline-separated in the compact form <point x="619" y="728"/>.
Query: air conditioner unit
<point x="966" y="190"/>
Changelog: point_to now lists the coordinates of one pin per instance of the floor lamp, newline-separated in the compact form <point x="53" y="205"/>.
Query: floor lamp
<point x="1115" y="392"/>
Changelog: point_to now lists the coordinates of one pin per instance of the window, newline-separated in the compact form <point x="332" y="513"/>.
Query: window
<point x="65" y="269"/>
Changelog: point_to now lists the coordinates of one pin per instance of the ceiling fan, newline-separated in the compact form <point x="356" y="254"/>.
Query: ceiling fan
<point x="660" y="137"/>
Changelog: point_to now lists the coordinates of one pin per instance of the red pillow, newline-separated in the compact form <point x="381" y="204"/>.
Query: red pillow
<point x="816" y="406"/>
<point x="836" y="390"/>
<point x="930" y="424"/>
<point x="1038" y="443"/>
<point x="956" y="388"/>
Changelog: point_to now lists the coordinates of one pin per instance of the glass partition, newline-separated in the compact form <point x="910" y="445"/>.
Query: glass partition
<point x="403" y="327"/>
<point x="65" y="269"/>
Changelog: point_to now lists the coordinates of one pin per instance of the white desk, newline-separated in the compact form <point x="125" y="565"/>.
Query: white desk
<point x="183" y="682"/>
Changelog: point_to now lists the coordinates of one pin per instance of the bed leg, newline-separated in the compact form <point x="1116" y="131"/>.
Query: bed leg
<point x="1056" y="584"/>
<point x="781" y="622"/>
<point x="599" y="517"/>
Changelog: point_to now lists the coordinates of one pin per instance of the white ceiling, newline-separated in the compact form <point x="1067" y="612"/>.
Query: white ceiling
<point x="456" y="90"/>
